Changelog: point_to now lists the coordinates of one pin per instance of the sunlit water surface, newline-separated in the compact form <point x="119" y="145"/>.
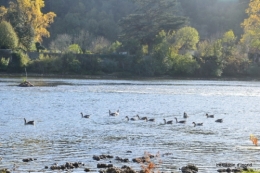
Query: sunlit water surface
<point x="60" y="135"/>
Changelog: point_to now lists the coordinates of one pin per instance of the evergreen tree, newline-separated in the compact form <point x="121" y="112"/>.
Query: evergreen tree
<point x="150" y="17"/>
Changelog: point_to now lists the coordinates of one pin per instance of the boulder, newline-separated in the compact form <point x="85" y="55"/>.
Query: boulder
<point x="25" y="84"/>
<point x="189" y="169"/>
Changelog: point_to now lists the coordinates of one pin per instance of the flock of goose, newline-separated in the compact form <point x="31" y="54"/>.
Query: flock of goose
<point x="171" y="121"/>
<point x="185" y="115"/>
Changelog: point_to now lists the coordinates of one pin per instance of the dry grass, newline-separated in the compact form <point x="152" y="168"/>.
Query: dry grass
<point x="254" y="139"/>
<point x="150" y="166"/>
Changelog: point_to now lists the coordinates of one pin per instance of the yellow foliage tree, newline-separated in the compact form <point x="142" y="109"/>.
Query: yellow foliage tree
<point x="39" y="21"/>
<point x="251" y="25"/>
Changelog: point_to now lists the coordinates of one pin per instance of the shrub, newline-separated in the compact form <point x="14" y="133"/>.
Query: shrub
<point x="19" y="61"/>
<point x="46" y="64"/>
<point x="253" y="70"/>
<point x="74" y="48"/>
<point x="70" y="63"/>
<point x="74" y="65"/>
<point x="114" y="47"/>
<point x="109" y="65"/>
<point x="4" y="63"/>
<point x="184" y="65"/>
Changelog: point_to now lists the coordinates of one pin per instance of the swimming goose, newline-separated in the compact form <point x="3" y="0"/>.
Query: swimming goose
<point x="185" y="115"/>
<point x="183" y="121"/>
<point x="167" y="122"/>
<point x="132" y="119"/>
<point x="151" y="119"/>
<point x="209" y="116"/>
<point x="197" y="124"/>
<point x="84" y="116"/>
<point x="113" y="113"/>
<point x="139" y="118"/>
<point x="219" y="120"/>
<point x="28" y="123"/>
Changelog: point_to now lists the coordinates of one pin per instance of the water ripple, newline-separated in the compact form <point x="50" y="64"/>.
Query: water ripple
<point x="61" y="135"/>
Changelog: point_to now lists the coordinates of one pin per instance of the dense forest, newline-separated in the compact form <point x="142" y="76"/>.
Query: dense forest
<point x="200" y="38"/>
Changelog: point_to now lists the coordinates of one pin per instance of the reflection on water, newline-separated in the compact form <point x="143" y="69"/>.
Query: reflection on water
<point x="60" y="134"/>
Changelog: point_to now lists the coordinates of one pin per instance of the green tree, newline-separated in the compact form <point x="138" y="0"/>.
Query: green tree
<point x="218" y="56"/>
<point x="150" y="17"/>
<point x="228" y="43"/>
<point x="161" y="54"/>
<point x="235" y="61"/>
<point x="186" y="38"/>
<point x="24" y="30"/>
<point x="210" y="58"/>
<point x="183" y="64"/>
<point x="115" y="46"/>
<point x="74" y="48"/>
<point x="8" y="37"/>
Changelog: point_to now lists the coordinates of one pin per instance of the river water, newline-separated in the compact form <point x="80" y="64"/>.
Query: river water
<point x="60" y="135"/>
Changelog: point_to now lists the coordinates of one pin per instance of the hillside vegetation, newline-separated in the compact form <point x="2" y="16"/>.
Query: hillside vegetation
<point x="201" y="38"/>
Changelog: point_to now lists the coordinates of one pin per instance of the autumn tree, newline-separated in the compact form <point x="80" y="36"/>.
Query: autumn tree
<point x="251" y="26"/>
<point x="28" y="13"/>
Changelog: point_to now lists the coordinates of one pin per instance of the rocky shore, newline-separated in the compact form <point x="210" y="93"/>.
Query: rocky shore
<point x="148" y="164"/>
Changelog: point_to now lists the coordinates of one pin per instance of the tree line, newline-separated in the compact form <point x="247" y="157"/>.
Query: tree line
<point x="201" y="38"/>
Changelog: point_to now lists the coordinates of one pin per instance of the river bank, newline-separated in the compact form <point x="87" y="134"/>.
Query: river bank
<point x="120" y="77"/>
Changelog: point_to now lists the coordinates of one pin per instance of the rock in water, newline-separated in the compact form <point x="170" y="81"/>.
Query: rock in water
<point x="25" y="84"/>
